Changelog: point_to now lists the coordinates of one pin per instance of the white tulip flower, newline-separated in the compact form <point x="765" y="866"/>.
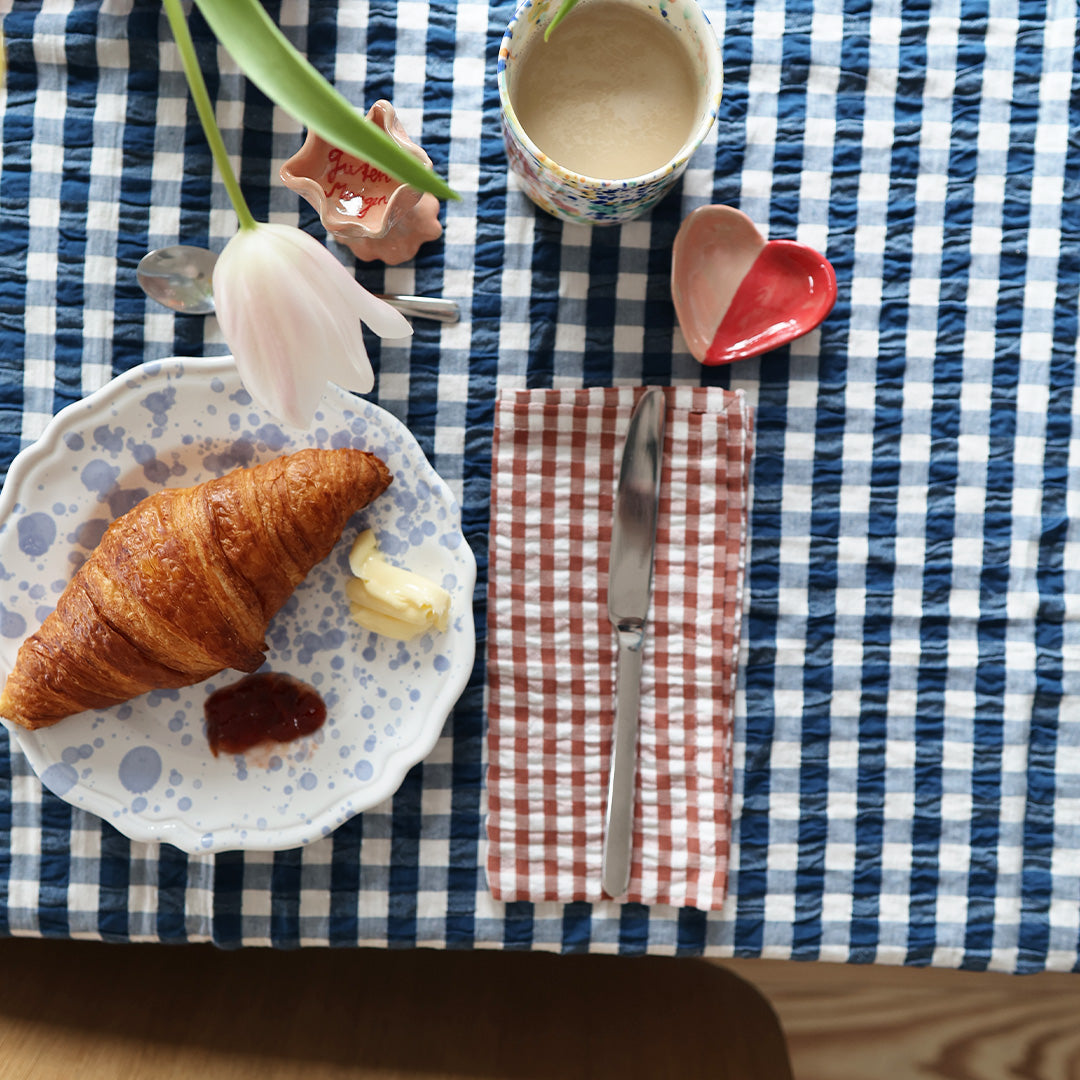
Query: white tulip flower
<point x="289" y="311"/>
<point x="291" y="315"/>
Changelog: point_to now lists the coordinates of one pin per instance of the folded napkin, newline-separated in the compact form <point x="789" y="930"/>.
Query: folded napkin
<point x="552" y="651"/>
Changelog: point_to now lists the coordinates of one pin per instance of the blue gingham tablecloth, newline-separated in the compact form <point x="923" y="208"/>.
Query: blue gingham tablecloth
<point x="908" y="748"/>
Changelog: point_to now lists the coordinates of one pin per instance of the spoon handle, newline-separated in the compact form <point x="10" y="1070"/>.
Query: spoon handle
<point x="423" y="307"/>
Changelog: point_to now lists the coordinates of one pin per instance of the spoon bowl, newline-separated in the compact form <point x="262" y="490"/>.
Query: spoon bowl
<point x="181" y="277"/>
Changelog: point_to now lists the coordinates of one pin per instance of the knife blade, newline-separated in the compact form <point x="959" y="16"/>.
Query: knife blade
<point x="630" y="570"/>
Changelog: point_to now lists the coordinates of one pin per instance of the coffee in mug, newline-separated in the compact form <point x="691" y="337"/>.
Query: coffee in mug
<point x="610" y="95"/>
<point x="601" y="118"/>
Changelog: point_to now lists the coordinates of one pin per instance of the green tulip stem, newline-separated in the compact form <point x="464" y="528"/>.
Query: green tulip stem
<point x="205" y="109"/>
<point x="564" y="10"/>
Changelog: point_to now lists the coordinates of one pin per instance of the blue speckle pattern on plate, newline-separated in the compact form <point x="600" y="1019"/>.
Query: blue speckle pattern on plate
<point x="145" y="766"/>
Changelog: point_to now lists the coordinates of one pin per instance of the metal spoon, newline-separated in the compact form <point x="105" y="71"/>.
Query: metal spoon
<point x="181" y="278"/>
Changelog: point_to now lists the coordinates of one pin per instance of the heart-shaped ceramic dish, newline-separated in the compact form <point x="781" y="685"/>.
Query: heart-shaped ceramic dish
<point x="738" y="295"/>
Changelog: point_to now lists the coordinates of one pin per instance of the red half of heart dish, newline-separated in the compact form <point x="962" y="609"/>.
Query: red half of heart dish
<point x="738" y="295"/>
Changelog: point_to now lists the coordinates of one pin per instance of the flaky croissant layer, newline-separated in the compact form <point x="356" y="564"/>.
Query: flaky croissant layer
<point x="185" y="584"/>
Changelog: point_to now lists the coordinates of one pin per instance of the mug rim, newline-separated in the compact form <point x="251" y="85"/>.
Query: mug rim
<point x="674" y="164"/>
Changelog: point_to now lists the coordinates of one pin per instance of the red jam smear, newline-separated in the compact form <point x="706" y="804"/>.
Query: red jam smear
<point x="263" y="708"/>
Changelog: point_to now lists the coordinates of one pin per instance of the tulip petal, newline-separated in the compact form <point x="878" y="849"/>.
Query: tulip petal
<point x="335" y="300"/>
<point x="274" y="341"/>
<point x="384" y="320"/>
<point x="291" y="314"/>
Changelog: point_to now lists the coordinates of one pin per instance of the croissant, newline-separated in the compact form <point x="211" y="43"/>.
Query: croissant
<point x="185" y="584"/>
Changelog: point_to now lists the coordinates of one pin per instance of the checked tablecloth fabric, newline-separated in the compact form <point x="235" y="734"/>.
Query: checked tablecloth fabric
<point x="907" y="723"/>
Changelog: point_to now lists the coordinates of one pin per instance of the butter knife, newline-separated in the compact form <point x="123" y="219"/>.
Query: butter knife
<point x="630" y="568"/>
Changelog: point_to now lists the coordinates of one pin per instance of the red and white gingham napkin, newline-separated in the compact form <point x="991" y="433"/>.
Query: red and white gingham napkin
<point x="551" y="649"/>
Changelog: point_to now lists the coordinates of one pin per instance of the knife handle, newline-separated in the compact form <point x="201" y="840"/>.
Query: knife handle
<point x="619" y="814"/>
<point x="423" y="307"/>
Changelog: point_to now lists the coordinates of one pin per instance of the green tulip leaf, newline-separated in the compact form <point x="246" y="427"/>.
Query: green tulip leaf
<point x="285" y="76"/>
<point x="564" y="10"/>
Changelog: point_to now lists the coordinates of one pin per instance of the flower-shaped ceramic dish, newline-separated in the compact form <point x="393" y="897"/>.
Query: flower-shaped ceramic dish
<point x="145" y="766"/>
<point x="737" y="295"/>
<point x="373" y="214"/>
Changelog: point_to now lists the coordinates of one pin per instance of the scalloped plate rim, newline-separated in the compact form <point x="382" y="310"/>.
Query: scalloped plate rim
<point x="175" y="830"/>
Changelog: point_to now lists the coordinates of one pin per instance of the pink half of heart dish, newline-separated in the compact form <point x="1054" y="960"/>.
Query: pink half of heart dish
<point x="738" y="295"/>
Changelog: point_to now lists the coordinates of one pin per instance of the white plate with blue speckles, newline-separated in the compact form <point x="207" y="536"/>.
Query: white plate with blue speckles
<point x="145" y="766"/>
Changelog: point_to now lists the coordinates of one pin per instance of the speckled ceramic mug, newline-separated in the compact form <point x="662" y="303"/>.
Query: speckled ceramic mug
<point x="574" y="196"/>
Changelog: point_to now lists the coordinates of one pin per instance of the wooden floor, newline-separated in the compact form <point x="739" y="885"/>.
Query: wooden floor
<point x="845" y="1022"/>
<point x="108" y="1012"/>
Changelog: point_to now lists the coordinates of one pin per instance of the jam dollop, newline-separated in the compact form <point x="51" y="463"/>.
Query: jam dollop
<point x="266" y="707"/>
